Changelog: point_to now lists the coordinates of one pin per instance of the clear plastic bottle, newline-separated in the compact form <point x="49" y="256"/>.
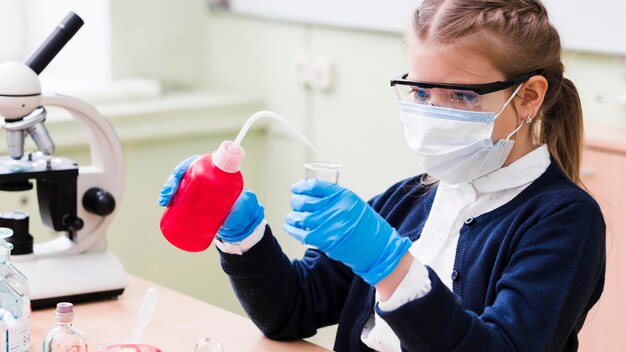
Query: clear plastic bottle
<point x="204" y="198"/>
<point x="19" y="282"/>
<point x="64" y="338"/>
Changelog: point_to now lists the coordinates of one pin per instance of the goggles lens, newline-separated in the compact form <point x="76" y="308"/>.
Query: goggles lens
<point x="450" y="98"/>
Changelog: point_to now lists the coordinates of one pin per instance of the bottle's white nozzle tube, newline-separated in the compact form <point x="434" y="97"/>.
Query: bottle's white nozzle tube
<point x="272" y="115"/>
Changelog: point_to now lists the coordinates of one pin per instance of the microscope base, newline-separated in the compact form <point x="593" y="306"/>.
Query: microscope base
<point x="74" y="278"/>
<point x="86" y="297"/>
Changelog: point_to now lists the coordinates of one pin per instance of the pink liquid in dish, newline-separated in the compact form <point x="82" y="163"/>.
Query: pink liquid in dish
<point x="129" y="347"/>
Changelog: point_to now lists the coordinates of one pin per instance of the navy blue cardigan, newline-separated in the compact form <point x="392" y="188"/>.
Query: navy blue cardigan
<point x="525" y="275"/>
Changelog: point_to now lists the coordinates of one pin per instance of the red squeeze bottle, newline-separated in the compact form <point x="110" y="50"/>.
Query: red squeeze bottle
<point x="204" y="198"/>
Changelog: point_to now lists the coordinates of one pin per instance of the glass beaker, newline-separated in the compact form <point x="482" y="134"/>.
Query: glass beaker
<point x="208" y="344"/>
<point x="321" y="170"/>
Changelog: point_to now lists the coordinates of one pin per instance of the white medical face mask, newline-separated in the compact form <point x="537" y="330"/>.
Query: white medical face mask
<point x="453" y="145"/>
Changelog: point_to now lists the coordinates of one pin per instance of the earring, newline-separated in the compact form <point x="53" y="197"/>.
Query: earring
<point x="528" y="119"/>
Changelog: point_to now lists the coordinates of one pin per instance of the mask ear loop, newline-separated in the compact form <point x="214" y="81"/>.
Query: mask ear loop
<point x="527" y="121"/>
<point x="508" y="101"/>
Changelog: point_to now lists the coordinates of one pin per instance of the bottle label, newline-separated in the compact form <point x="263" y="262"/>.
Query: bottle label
<point x="21" y="336"/>
<point x="24" y="324"/>
<point x="14" y="333"/>
<point x="9" y="341"/>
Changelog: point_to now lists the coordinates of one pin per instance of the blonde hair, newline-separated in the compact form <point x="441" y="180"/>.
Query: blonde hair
<point x="517" y="37"/>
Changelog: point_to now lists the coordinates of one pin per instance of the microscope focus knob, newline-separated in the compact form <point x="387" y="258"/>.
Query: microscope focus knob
<point x="98" y="201"/>
<point x="73" y="223"/>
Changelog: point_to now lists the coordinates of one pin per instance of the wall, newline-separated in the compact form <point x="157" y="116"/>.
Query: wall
<point x="159" y="39"/>
<point x="599" y="77"/>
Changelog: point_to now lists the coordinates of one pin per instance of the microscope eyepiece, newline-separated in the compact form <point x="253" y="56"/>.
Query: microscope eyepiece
<point x="54" y="43"/>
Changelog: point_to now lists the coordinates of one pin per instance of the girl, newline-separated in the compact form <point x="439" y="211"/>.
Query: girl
<point x="497" y="247"/>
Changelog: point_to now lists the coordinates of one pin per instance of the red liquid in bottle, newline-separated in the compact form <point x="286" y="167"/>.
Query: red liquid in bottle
<point x="204" y="198"/>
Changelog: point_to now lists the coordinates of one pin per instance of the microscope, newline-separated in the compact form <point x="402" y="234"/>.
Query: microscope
<point x="77" y="200"/>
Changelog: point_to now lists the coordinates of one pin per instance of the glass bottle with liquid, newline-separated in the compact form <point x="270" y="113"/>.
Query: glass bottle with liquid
<point x="14" y="302"/>
<point x="64" y="337"/>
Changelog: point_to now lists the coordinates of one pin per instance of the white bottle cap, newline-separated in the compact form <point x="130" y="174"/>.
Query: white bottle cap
<point x="64" y="312"/>
<point x="228" y="156"/>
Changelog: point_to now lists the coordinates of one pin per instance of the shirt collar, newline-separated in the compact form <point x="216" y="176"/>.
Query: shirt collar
<point x="522" y="171"/>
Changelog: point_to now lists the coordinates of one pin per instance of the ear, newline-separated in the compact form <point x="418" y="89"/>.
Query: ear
<point x="530" y="96"/>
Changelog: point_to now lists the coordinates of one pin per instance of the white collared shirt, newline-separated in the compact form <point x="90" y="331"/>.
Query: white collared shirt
<point x="436" y="247"/>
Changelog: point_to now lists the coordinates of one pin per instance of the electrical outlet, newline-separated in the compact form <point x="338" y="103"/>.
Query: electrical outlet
<point x="313" y="72"/>
<point x="302" y="70"/>
<point x="321" y="74"/>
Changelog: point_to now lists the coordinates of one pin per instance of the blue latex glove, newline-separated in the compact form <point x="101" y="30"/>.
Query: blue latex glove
<point x="347" y="229"/>
<point x="171" y="184"/>
<point x="243" y="218"/>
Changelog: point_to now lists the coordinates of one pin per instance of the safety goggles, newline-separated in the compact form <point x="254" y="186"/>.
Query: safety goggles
<point x="456" y="96"/>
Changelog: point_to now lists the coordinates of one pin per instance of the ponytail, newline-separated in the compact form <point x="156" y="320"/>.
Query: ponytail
<point x="561" y="129"/>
